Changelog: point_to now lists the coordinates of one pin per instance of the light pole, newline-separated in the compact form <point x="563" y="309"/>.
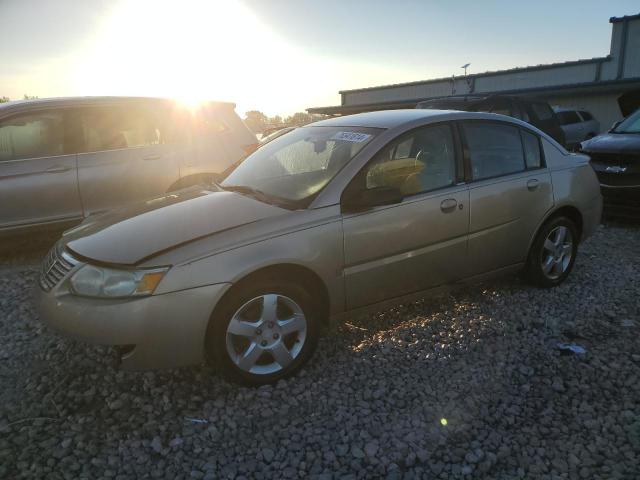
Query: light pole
<point x="465" y="66"/>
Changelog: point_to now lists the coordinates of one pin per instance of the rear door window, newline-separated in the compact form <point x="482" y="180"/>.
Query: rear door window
<point x="501" y="106"/>
<point x="494" y="149"/>
<point x="586" y="116"/>
<point x="32" y="135"/>
<point x="542" y="111"/>
<point x="568" y="118"/>
<point x="114" y="128"/>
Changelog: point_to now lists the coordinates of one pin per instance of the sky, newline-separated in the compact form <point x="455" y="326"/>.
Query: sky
<point x="281" y="56"/>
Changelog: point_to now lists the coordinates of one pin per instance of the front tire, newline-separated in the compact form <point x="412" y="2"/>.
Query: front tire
<point x="263" y="332"/>
<point x="553" y="253"/>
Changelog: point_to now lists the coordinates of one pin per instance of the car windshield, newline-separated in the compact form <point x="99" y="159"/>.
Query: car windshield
<point x="631" y="124"/>
<point x="293" y="168"/>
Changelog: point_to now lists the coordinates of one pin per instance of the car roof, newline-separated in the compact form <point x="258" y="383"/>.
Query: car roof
<point x="85" y="101"/>
<point x="395" y="118"/>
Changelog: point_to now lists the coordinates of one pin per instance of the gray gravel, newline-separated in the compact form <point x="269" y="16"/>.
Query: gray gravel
<point x="467" y="385"/>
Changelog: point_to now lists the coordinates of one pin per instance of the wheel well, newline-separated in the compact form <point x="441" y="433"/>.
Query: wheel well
<point x="297" y="273"/>
<point x="572" y="213"/>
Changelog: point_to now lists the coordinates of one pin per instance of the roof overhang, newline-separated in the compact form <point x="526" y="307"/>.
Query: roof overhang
<point x="590" y="87"/>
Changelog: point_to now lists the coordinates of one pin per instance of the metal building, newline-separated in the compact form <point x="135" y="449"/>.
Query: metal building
<point x="608" y="87"/>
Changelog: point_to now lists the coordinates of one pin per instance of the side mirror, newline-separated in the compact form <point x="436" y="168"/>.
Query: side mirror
<point x="373" y="197"/>
<point x="615" y="125"/>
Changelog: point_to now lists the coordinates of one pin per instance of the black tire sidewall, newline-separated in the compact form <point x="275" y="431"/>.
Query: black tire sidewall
<point x="534" y="267"/>
<point x="216" y="334"/>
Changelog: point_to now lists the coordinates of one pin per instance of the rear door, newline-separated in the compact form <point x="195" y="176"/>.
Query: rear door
<point x="127" y="155"/>
<point x="542" y="116"/>
<point x="38" y="182"/>
<point x="510" y="192"/>
<point x="419" y="243"/>
<point x="573" y="126"/>
<point x="221" y="139"/>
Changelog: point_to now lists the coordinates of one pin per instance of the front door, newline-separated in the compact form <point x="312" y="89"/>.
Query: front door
<point x="38" y="183"/>
<point x="510" y="192"/>
<point x="126" y="157"/>
<point x="419" y="243"/>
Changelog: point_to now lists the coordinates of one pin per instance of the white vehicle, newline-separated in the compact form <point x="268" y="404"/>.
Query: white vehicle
<point x="578" y="125"/>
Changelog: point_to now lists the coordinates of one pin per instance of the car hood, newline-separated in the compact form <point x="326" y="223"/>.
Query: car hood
<point x="137" y="232"/>
<point x="613" y="143"/>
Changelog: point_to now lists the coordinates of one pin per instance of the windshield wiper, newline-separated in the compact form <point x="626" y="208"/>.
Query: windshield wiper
<point x="260" y="195"/>
<point x="254" y="192"/>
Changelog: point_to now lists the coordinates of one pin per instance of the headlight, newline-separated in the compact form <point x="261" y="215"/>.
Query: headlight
<point x="92" y="281"/>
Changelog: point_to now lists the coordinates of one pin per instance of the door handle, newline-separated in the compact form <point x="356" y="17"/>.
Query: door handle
<point x="448" y="205"/>
<point x="57" y="169"/>
<point x="152" y="157"/>
<point x="532" y="184"/>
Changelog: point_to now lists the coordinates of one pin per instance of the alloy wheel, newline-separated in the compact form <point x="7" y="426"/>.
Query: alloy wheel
<point x="266" y="334"/>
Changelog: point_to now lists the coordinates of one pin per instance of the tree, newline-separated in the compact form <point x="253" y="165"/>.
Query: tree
<point x="4" y="99"/>
<point x="256" y="121"/>
<point x="299" y="118"/>
<point x="30" y="97"/>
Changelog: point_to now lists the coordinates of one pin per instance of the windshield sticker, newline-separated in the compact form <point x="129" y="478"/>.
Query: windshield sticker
<point x="351" y="137"/>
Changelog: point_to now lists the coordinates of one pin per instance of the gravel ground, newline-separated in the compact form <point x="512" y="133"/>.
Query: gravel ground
<point x="467" y="385"/>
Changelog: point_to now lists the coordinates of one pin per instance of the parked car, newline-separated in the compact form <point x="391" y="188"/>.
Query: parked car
<point x="274" y="134"/>
<point x="345" y="214"/>
<point x="615" y="156"/>
<point x="64" y="159"/>
<point x="577" y="125"/>
<point x="535" y="112"/>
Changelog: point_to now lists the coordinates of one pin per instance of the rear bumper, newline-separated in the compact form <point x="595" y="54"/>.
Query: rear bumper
<point x="160" y="331"/>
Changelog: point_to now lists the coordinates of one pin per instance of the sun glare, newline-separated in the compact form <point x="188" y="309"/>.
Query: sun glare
<point x="193" y="50"/>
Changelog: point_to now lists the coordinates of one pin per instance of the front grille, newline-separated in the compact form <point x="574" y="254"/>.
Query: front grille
<point x="56" y="265"/>
<point x="615" y="158"/>
<point x="619" y="179"/>
<point x="617" y="170"/>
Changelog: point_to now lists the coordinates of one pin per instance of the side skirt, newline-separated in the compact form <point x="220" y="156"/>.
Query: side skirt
<point x="430" y="292"/>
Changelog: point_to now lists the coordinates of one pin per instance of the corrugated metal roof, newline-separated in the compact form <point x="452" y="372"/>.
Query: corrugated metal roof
<point x="486" y="74"/>
<point x="412" y="102"/>
<point x="622" y="19"/>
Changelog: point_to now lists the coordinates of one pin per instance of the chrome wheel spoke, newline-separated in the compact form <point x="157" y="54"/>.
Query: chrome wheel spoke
<point x="293" y="324"/>
<point x="567" y="248"/>
<point x="560" y="236"/>
<point x="270" y="308"/>
<point x="549" y="245"/>
<point x="547" y="265"/>
<point x="249" y="358"/>
<point x="281" y="355"/>
<point x="242" y="328"/>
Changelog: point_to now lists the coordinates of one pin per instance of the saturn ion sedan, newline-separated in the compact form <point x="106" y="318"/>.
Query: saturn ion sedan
<point x="350" y="213"/>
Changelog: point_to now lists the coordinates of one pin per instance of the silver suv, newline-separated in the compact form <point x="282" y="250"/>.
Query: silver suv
<point x="64" y="159"/>
<point x="578" y="126"/>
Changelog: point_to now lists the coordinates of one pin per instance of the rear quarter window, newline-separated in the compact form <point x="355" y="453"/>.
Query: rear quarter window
<point x="586" y="116"/>
<point x="542" y="111"/>
<point x="568" y="118"/>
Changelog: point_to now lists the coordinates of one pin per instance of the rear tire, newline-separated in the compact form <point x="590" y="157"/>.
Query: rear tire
<point x="263" y="332"/>
<point x="553" y="253"/>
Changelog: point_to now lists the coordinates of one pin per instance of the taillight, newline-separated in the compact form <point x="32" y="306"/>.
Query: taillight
<point x="249" y="149"/>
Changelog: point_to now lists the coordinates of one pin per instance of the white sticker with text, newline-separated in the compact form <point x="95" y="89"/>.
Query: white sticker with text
<point x="351" y="137"/>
